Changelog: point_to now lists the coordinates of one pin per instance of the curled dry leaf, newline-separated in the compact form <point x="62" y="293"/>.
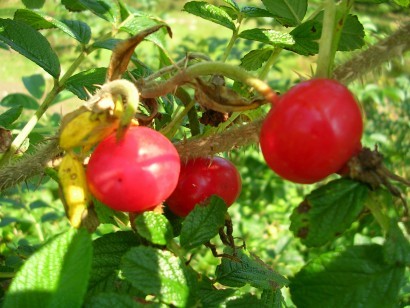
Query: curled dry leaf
<point x="123" y="51"/>
<point x="368" y="167"/>
<point x="223" y="99"/>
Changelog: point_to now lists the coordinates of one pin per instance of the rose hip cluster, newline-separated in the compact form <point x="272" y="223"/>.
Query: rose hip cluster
<point x="310" y="133"/>
<point x="140" y="171"/>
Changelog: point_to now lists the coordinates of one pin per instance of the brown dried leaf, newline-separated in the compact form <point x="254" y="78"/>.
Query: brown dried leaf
<point x="223" y="99"/>
<point x="123" y="51"/>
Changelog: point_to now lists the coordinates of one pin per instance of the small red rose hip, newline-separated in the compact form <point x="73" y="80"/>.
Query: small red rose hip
<point x="312" y="131"/>
<point x="200" y="178"/>
<point x="135" y="173"/>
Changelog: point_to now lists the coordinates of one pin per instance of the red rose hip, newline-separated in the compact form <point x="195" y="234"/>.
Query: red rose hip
<point x="200" y="178"/>
<point x="135" y="173"/>
<point x="312" y="131"/>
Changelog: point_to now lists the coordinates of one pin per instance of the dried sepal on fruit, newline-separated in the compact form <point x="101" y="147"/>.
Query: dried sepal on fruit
<point x="368" y="167"/>
<point x="85" y="128"/>
<point x="75" y="189"/>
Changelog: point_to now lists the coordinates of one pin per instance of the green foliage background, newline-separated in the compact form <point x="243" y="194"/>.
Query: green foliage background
<point x="32" y="213"/>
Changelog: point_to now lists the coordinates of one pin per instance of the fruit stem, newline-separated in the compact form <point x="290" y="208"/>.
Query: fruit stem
<point x="155" y="89"/>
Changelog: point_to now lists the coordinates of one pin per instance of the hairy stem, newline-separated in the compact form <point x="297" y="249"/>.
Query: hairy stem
<point x="226" y="141"/>
<point x="31" y="165"/>
<point x="393" y="46"/>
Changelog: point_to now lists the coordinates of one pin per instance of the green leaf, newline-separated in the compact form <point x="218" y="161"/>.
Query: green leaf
<point x="31" y="44"/>
<point x="105" y="9"/>
<point x="268" y="36"/>
<point x="154" y="227"/>
<point x="33" y="4"/>
<point x="210" y="12"/>
<point x="203" y="223"/>
<point x="9" y="116"/>
<point x="251" y="11"/>
<point x="328" y="211"/>
<point x="255" y="58"/>
<point x="19" y="99"/>
<point x="352" y="36"/>
<point x="35" y="85"/>
<point x="56" y="275"/>
<point x="111" y="300"/>
<point x="403" y="3"/>
<point x="233" y="14"/>
<point x="249" y="270"/>
<point x="138" y="23"/>
<point x="233" y="4"/>
<point x="160" y="273"/>
<point x="306" y="37"/>
<point x="80" y="30"/>
<point x="210" y="296"/>
<point x="109" y="44"/>
<point x="396" y="248"/>
<point x="74" y="28"/>
<point x="108" y="251"/>
<point x="86" y="80"/>
<point x="356" y="277"/>
<point x="107" y="215"/>
<point x="272" y="298"/>
<point x="287" y="12"/>
<point x="73" y="5"/>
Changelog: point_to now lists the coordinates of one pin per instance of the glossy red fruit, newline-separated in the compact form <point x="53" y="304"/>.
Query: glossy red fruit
<point x="136" y="173"/>
<point x="312" y="131"/>
<point x="201" y="178"/>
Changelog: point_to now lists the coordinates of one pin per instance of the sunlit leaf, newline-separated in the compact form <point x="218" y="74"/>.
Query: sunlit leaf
<point x="210" y="12"/>
<point x="31" y="44"/>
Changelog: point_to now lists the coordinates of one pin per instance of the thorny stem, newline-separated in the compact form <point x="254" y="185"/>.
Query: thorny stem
<point x="393" y="46"/>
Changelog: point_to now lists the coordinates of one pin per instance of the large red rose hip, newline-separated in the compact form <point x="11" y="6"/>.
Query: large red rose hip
<point x="312" y="131"/>
<point x="135" y="173"/>
<point x="200" y="178"/>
